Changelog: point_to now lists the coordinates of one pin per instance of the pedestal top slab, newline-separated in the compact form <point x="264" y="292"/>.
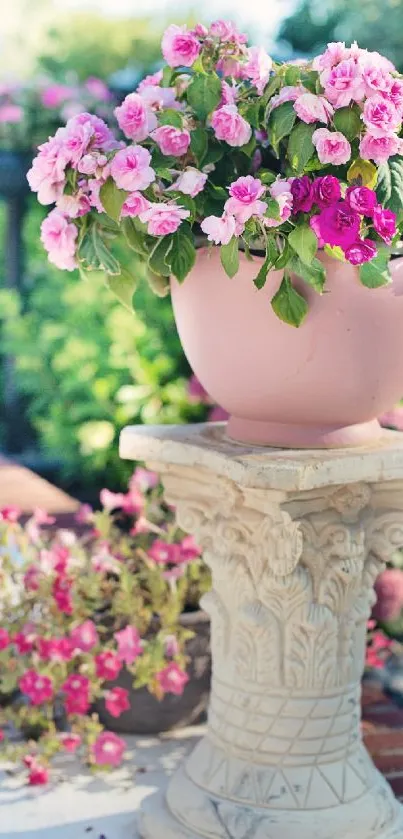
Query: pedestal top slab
<point x="206" y="445"/>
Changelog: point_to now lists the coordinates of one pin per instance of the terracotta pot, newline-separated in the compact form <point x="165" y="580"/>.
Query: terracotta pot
<point x="321" y="385"/>
<point x="149" y="716"/>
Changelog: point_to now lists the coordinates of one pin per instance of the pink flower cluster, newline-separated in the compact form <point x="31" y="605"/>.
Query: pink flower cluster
<point x="245" y="201"/>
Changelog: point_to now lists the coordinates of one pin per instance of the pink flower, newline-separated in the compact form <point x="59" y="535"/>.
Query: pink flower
<point x="108" y="749"/>
<point x="76" y="683"/>
<point x="11" y="113"/>
<point x="38" y="688"/>
<point x="343" y="83"/>
<point x="380" y="116"/>
<point x="312" y="108"/>
<point x="94" y="187"/>
<point x="219" y="229"/>
<point x="331" y="146"/>
<point x="24" y="641"/>
<point x="326" y="191"/>
<point x="190" y="182"/>
<point x="58" y="237"/>
<point x="189" y="550"/>
<point x="107" y="665"/>
<point x="244" y="198"/>
<point x="102" y="137"/>
<point x="172" y="679"/>
<point x="163" y="552"/>
<point x="5" y="639"/>
<point x="134" y="205"/>
<point x="361" y="251"/>
<point x="171" y="646"/>
<point x="38" y="775"/>
<point x="134" y="118"/>
<point x="385" y="224"/>
<point x="61" y="650"/>
<point x="361" y="199"/>
<point x="92" y="163"/>
<point x="85" y="636"/>
<point x="54" y="95"/>
<point x="376" y="651"/>
<point x="379" y="149"/>
<point x="376" y="79"/>
<point x="229" y="94"/>
<point x="61" y="591"/>
<point x="226" y="31"/>
<point x="111" y="500"/>
<point x="288" y="93"/>
<point x="32" y="578"/>
<point x="230" y="67"/>
<point x="2" y="735"/>
<point x="131" y="170"/>
<point x="200" y="31"/>
<point x="84" y="514"/>
<point x="389" y="592"/>
<point x="77" y="139"/>
<point x="129" y="644"/>
<point x="179" y="46"/>
<point x="228" y="125"/>
<point x="302" y="194"/>
<point x="98" y="89"/>
<point x="74" y="206"/>
<point x="77" y="690"/>
<point x="154" y="79"/>
<point x="258" y="67"/>
<point x="117" y="701"/>
<point x="281" y="191"/>
<point x="395" y="94"/>
<point x="47" y="174"/>
<point x="162" y="219"/>
<point x="335" y="52"/>
<point x="143" y="479"/>
<point x="11" y="514"/>
<point x="70" y="741"/>
<point x="339" y="225"/>
<point x="171" y="140"/>
<point x="77" y="704"/>
<point x="158" y="98"/>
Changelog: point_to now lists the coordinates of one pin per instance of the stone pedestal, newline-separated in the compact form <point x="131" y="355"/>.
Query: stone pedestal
<point x="295" y="540"/>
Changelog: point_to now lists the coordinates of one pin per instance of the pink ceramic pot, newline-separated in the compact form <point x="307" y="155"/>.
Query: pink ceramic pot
<point x="321" y="385"/>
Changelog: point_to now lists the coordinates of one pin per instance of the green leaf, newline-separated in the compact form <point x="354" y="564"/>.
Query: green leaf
<point x="123" y="286"/>
<point x="229" y="255"/>
<point x="282" y="260"/>
<point x="309" y="79"/>
<point x="271" y="88"/>
<point x="159" y="285"/>
<point x="251" y="111"/>
<point x="281" y="121"/>
<point x="166" y="77"/>
<point x="171" y="117"/>
<point x="215" y="152"/>
<point x="249" y="147"/>
<point x="313" y="274"/>
<point x="304" y="242"/>
<point x="390" y="184"/>
<point x="158" y="261"/>
<point x="292" y="75"/>
<point x="347" y="120"/>
<point x="267" y="177"/>
<point x="273" y="209"/>
<point x="165" y="174"/>
<point x="185" y="201"/>
<point x="95" y="255"/>
<point x="183" y="255"/>
<point x="199" y="143"/>
<point x="300" y="146"/>
<point x="112" y="199"/>
<point x="375" y="274"/>
<point x="288" y="305"/>
<point x="204" y="93"/>
<point x="134" y="238"/>
<point x="261" y="277"/>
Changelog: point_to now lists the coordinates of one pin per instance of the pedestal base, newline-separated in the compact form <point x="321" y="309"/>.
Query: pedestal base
<point x="280" y="435"/>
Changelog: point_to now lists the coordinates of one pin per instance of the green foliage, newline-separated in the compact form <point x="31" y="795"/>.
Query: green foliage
<point x="304" y="242"/>
<point x="300" y="146"/>
<point x="281" y="122"/>
<point x="390" y="184"/>
<point x="288" y="304"/>
<point x="375" y="274"/>
<point x="229" y="255"/>
<point x="204" y="93"/>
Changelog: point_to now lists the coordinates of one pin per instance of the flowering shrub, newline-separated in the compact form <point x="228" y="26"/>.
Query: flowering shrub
<point x="281" y="160"/>
<point x="29" y="112"/>
<point x="75" y="610"/>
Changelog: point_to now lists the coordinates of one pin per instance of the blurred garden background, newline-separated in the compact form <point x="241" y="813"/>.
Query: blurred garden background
<point x="75" y="365"/>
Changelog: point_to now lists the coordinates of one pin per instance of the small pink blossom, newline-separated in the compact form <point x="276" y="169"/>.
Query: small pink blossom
<point x="111" y="500"/>
<point x="10" y="514"/>
<point x="311" y="108"/>
<point x="135" y="204"/>
<point x="189" y="550"/>
<point x="5" y="639"/>
<point x="70" y="741"/>
<point x="94" y="187"/>
<point x="200" y="30"/>
<point x="281" y="191"/>
<point x="331" y="146"/>
<point x="334" y="53"/>
<point x="76" y="683"/>
<point x="84" y="514"/>
<point x="343" y="83"/>
<point x="389" y="592"/>
<point x="98" y="89"/>
<point x="179" y="46"/>
<point x="108" y="749"/>
<point x="171" y="646"/>
<point x="77" y="703"/>
<point x="164" y="552"/>
<point x="361" y="251"/>
<point x="162" y="219"/>
<point x="258" y="67"/>
<point x="85" y="636"/>
<point x="58" y="237"/>
<point x="157" y="98"/>
<point x="74" y="206"/>
<point x="143" y="479"/>
<point x="288" y="93"/>
<point x="172" y="679"/>
<point x="47" y="174"/>
<point x="38" y="775"/>
<point x="376" y="79"/>
<point x="24" y="641"/>
<point x="226" y="31"/>
<point x="117" y="701"/>
<point x="379" y="149"/>
<point x="244" y="202"/>
<point x="107" y="665"/>
<point x="219" y="229"/>
<point x="228" y="125"/>
<point x="230" y="67"/>
<point x="131" y="170"/>
<point x="395" y="94"/>
<point x="129" y="644"/>
<point x="385" y="224"/>
<point x="154" y="79"/>
<point x="229" y="94"/>
<point x="135" y="119"/>
<point x="54" y="95"/>
<point x="11" y="113"/>
<point x="38" y="688"/>
<point x="102" y="137"/>
<point x="92" y="164"/>
<point x="190" y="182"/>
<point x="171" y="140"/>
<point x="380" y="116"/>
<point x="61" y="591"/>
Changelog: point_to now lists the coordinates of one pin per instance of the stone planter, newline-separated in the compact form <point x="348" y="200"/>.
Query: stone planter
<point x="321" y="385"/>
<point x="149" y="716"/>
<point x="13" y="173"/>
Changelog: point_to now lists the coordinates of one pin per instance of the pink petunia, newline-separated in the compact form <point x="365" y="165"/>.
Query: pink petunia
<point x="107" y="665"/>
<point x="85" y="636"/>
<point x="172" y="679"/>
<point x="70" y="741"/>
<point x="129" y="644"/>
<point x="38" y="688"/>
<point x="108" y="749"/>
<point x="117" y="701"/>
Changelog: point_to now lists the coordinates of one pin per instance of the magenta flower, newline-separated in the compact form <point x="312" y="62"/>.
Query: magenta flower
<point x="38" y="775"/>
<point x="5" y="639"/>
<point x="10" y="514"/>
<point x="361" y="199"/>
<point x="302" y="193"/>
<point x="117" y="701"/>
<point x="129" y="644"/>
<point x="163" y="552"/>
<point x="361" y="251"/>
<point x="189" y="550"/>
<point x="107" y="665"/>
<point x="24" y="641"/>
<point x="38" y="688"/>
<point x="385" y="224"/>
<point x="70" y="741"/>
<point x="338" y="225"/>
<point x="326" y="191"/>
<point x="108" y="749"/>
<point x="77" y="690"/>
<point x="172" y="679"/>
<point x="85" y="636"/>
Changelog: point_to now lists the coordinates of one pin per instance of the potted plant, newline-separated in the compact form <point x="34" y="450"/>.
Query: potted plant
<point x="268" y="196"/>
<point x="104" y="622"/>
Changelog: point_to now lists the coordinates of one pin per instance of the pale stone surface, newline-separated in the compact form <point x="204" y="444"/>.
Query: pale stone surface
<point x="295" y="541"/>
